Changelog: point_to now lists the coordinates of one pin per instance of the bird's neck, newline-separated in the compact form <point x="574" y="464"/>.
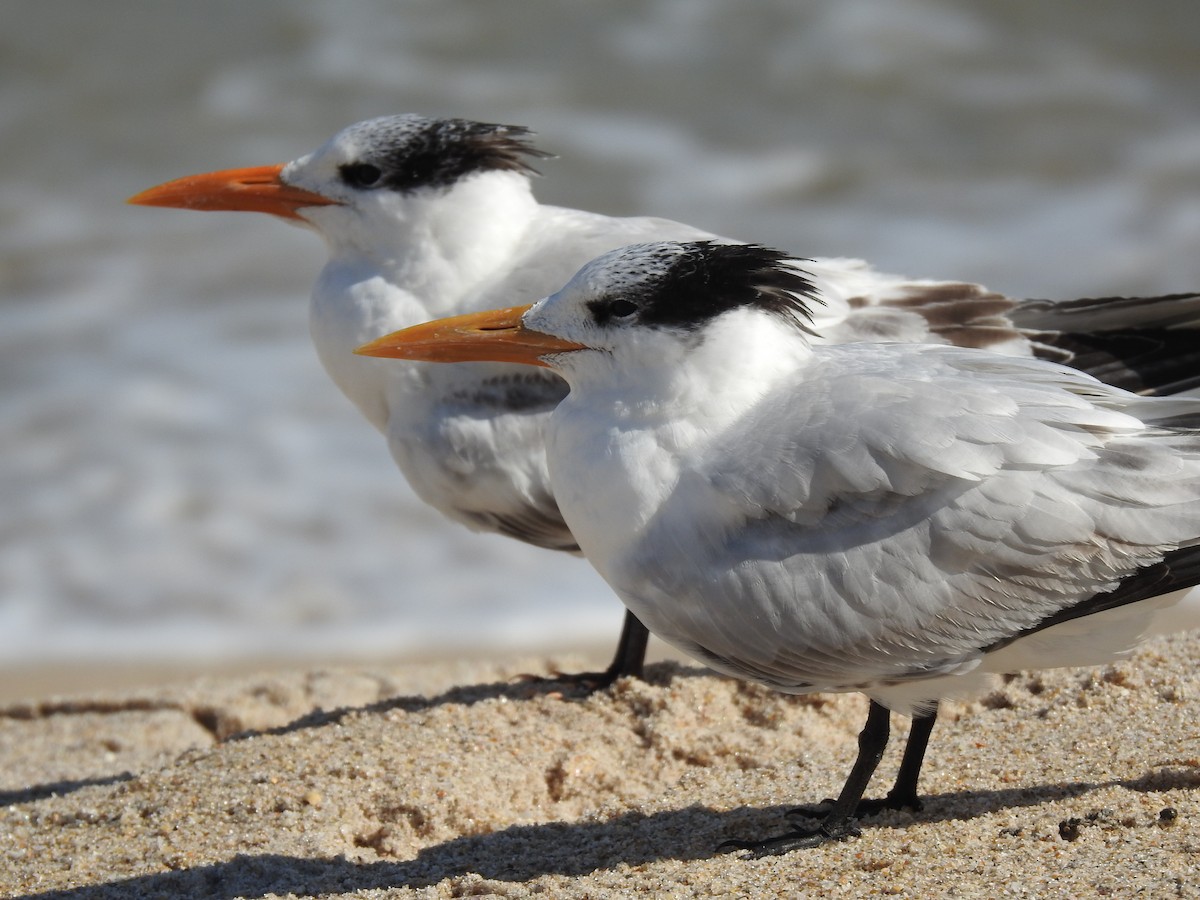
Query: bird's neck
<point x="441" y="246"/>
<point x="627" y="433"/>
<point x="442" y="251"/>
<point x="651" y="383"/>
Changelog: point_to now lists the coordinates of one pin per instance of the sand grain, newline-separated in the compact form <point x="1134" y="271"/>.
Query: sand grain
<point x="455" y="780"/>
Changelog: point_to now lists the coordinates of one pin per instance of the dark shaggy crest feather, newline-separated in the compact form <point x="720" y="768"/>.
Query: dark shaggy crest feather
<point x="411" y="152"/>
<point x="702" y="279"/>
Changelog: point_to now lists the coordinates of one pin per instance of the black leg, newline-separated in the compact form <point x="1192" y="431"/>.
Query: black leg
<point x="903" y="794"/>
<point x="839" y="822"/>
<point x="630" y="658"/>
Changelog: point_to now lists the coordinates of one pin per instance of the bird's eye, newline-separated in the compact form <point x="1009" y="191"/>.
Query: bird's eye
<point x="620" y="308"/>
<point x="360" y="175"/>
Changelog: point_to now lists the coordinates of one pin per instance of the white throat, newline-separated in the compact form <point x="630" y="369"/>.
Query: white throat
<point x="404" y="259"/>
<point x="619" y="441"/>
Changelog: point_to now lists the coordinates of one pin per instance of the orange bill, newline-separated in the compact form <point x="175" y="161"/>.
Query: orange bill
<point x="495" y="336"/>
<point x="257" y="189"/>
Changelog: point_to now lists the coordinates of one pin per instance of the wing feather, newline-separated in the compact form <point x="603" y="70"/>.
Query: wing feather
<point x="902" y="512"/>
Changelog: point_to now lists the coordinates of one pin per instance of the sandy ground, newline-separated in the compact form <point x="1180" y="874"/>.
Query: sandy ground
<point x="455" y="780"/>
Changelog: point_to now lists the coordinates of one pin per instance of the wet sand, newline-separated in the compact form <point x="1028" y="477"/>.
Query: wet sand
<point x="457" y="779"/>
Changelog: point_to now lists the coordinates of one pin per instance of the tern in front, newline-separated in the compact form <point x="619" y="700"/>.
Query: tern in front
<point x="428" y="217"/>
<point x="902" y="520"/>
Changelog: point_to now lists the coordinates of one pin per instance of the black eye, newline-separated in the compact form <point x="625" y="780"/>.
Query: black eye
<point x="360" y="175"/>
<point x="605" y="309"/>
<point x="621" y="308"/>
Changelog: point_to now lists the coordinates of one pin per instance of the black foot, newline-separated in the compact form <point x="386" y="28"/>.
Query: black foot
<point x="903" y="794"/>
<point x="865" y="808"/>
<point x="629" y="661"/>
<point x="575" y="682"/>
<point x="797" y="839"/>
<point x="838" y="816"/>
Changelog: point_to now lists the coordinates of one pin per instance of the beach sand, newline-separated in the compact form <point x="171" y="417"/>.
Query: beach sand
<point x="455" y="779"/>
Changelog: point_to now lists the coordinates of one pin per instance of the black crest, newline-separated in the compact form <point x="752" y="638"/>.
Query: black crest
<point x="402" y="153"/>
<point x="688" y="284"/>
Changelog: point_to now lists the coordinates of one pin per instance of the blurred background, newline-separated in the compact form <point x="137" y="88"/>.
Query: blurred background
<point x="180" y="485"/>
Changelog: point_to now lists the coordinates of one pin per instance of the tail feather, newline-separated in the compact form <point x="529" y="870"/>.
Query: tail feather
<point x="1092" y="314"/>
<point x="1147" y="361"/>
<point x="1148" y="345"/>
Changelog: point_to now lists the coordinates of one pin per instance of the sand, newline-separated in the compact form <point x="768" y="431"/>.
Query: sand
<point x="455" y="780"/>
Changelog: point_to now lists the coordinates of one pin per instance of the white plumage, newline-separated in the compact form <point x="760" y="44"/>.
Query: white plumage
<point x="924" y="503"/>
<point x="895" y="519"/>
<point x="433" y="217"/>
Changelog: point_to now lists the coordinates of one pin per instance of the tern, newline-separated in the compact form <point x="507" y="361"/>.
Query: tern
<point x="428" y="217"/>
<point x="902" y="520"/>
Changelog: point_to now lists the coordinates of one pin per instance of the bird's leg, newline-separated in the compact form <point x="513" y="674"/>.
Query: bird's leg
<point x="903" y="794"/>
<point x="630" y="659"/>
<point x="839" y="821"/>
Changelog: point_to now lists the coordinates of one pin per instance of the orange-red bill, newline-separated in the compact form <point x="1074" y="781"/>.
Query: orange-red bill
<point x="495" y="336"/>
<point x="256" y="189"/>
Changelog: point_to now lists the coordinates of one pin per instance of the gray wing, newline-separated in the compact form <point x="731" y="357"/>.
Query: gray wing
<point x="893" y="514"/>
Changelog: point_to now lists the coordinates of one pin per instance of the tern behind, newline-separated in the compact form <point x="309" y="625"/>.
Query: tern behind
<point x="901" y="520"/>
<point x="427" y="217"/>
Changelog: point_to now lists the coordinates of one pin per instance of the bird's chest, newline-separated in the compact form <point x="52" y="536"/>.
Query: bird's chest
<point x="348" y="308"/>
<point x="610" y="481"/>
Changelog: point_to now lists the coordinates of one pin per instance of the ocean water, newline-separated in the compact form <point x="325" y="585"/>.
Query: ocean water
<point x="179" y="481"/>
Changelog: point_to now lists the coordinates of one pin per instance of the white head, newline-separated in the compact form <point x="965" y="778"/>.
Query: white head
<point x="374" y="179"/>
<point x="641" y="306"/>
